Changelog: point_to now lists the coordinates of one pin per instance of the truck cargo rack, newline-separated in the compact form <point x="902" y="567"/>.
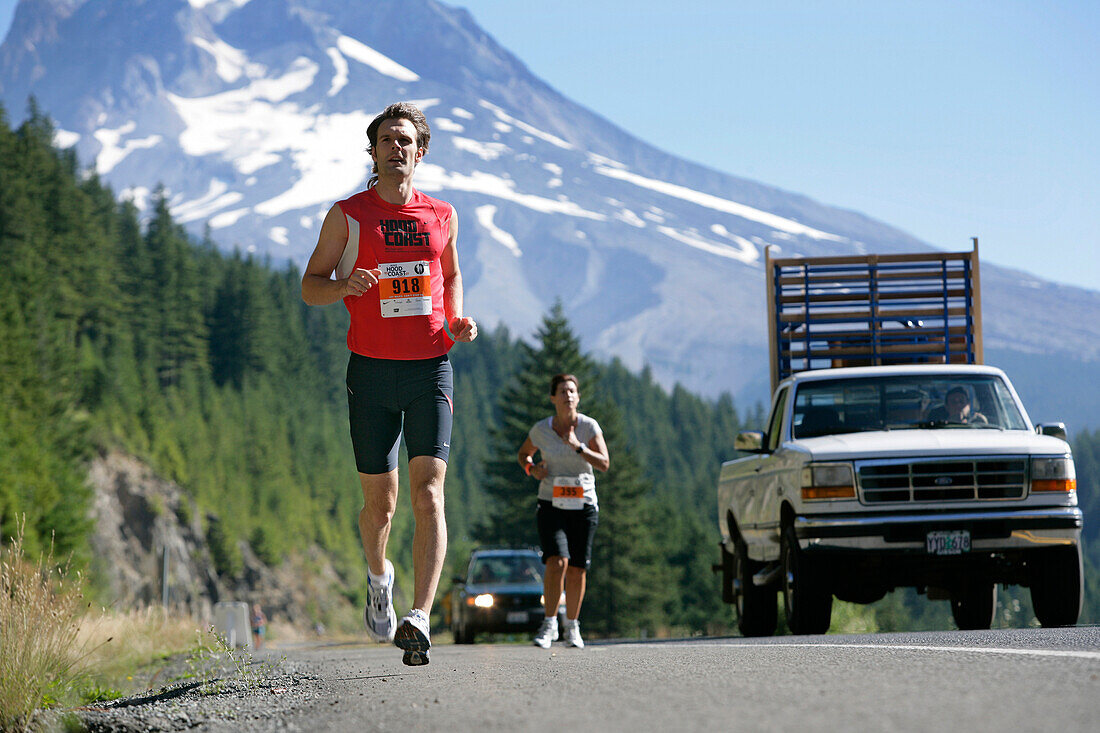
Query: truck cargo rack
<point x="871" y="310"/>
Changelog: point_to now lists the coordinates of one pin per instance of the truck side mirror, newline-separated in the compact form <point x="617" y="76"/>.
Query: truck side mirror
<point x="458" y="580"/>
<point x="749" y="442"/>
<point x="1054" y="429"/>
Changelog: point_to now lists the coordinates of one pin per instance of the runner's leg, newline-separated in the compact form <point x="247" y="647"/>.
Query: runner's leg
<point x="379" y="503"/>
<point x="553" y="583"/>
<point x="580" y="532"/>
<point x="575" y="580"/>
<point x="426" y="390"/>
<point x="375" y="429"/>
<point x="426" y="476"/>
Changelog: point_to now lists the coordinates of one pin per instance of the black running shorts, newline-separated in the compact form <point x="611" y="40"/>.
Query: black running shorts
<point x="567" y="532"/>
<point x="384" y="392"/>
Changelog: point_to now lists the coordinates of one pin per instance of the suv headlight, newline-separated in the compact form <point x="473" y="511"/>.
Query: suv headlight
<point x="828" y="481"/>
<point x="1053" y="474"/>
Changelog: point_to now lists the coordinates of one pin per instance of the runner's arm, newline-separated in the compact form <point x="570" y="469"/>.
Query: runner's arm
<point x="318" y="287"/>
<point x="462" y="328"/>
<point x="527" y="458"/>
<point x="595" y="452"/>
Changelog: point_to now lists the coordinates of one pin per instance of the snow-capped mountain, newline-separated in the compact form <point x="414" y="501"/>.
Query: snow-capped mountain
<point x="252" y="114"/>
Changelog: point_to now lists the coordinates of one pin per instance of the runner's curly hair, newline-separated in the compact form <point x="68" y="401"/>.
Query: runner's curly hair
<point x="398" y="111"/>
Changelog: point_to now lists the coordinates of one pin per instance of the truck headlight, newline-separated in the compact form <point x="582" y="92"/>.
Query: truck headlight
<point x="485" y="600"/>
<point x="1053" y="474"/>
<point x="828" y="481"/>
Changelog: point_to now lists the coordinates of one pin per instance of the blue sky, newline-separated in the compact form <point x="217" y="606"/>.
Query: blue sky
<point x="946" y="118"/>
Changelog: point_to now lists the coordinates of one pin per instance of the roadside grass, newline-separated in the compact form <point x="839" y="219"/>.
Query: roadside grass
<point x="129" y="650"/>
<point x="56" y="652"/>
<point x="40" y="655"/>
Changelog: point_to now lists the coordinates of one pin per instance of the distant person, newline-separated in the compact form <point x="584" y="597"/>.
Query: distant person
<point x="259" y="626"/>
<point x="395" y="257"/>
<point x="956" y="409"/>
<point x="570" y="446"/>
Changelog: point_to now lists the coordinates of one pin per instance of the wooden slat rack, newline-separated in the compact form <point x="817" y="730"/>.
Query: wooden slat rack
<point x="828" y="312"/>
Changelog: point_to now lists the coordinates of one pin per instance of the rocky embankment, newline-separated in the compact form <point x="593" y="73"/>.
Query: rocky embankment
<point x="140" y="519"/>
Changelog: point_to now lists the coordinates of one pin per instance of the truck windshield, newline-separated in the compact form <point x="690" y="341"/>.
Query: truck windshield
<point x="918" y="401"/>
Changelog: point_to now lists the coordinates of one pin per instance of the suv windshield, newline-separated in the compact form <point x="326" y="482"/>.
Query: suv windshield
<point x="505" y="569"/>
<point x="929" y="401"/>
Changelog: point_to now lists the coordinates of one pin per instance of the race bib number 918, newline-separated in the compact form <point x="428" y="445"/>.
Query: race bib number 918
<point x="405" y="289"/>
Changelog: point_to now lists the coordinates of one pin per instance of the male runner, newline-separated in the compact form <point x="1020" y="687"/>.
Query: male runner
<point x="393" y="251"/>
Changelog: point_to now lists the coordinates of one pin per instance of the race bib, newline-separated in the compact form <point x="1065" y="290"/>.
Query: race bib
<point x="568" y="492"/>
<point x="405" y="289"/>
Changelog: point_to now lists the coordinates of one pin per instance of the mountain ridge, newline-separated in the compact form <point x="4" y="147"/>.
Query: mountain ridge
<point x="252" y="116"/>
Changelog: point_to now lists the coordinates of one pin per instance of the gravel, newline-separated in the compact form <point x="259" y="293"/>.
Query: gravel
<point x="221" y="694"/>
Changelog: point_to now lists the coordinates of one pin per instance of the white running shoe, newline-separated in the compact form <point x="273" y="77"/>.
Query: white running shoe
<point x="547" y="632"/>
<point x="379" y="617"/>
<point x="414" y="637"/>
<point x="573" y="634"/>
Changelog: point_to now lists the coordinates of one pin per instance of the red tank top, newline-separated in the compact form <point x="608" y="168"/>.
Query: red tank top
<point x="403" y="317"/>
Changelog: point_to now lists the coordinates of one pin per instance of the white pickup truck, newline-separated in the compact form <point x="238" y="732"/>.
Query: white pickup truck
<point x="872" y="478"/>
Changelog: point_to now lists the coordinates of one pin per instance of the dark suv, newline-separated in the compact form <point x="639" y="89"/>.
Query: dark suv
<point x="501" y="592"/>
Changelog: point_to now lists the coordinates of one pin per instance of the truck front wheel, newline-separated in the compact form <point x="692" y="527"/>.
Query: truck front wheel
<point x="807" y="600"/>
<point x="755" y="606"/>
<point x="1057" y="586"/>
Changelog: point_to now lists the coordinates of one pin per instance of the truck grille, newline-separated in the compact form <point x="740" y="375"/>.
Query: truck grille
<point x="941" y="479"/>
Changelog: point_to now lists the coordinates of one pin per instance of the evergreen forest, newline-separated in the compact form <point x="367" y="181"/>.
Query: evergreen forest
<point x="119" y="331"/>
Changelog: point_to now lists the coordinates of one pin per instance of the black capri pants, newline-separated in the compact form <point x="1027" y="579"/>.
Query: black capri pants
<point x="389" y="396"/>
<point x="567" y="532"/>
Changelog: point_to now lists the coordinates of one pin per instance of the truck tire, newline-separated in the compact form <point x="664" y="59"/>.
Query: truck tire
<point x="973" y="605"/>
<point x="806" y="598"/>
<point x="728" y="576"/>
<point x="1057" y="586"/>
<point x="755" y="606"/>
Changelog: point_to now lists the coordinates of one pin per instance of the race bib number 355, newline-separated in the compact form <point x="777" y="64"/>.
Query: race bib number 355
<point x="568" y="492"/>
<point x="405" y="289"/>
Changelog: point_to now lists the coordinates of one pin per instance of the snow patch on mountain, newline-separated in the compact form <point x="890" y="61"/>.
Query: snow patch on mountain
<point x="239" y="122"/>
<point x="629" y="217"/>
<point x="485" y="151"/>
<point x="485" y="216"/>
<point x="747" y="248"/>
<point x="506" y="119"/>
<point x="228" y="218"/>
<point x="748" y="256"/>
<point x="717" y="203"/>
<point x="364" y="54"/>
<point x="340" y="78"/>
<point x="327" y="169"/>
<point x="279" y="235"/>
<point x="113" y="150"/>
<point x="431" y="177"/>
<point x="229" y="63"/>
<point x="445" y="124"/>
<point x="217" y="197"/>
<point x="65" y="138"/>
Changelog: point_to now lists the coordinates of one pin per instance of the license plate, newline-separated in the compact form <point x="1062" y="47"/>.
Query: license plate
<point x="516" y="617"/>
<point x="954" y="542"/>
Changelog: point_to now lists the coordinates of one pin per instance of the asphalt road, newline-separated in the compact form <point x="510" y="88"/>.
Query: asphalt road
<point x="1009" y="680"/>
<point x="1004" y="680"/>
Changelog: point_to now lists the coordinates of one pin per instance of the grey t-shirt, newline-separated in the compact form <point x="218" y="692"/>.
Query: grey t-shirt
<point x="562" y="460"/>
